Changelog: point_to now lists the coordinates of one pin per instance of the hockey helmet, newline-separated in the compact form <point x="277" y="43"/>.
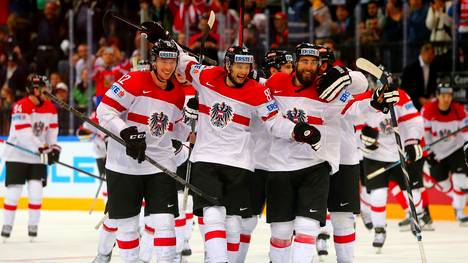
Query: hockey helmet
<point x="164" y="49"/>
<point x="277" y="57"/>
<point x="444" y="87"/>
<point x="36" y="81"/>
<point x="236" y="54"/>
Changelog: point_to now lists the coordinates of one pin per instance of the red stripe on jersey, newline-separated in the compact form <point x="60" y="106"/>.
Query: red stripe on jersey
<point x="108" y="228"/>
<point x="408" y="117"/>
<point x="236" y="118"/>
<point x="128" y="244"/>
<point x="189" y="216"/>
<point x="344" y="239"/>
<point x="245" y="238"/>
<point x="149" y="229"/>
<point x="180" y="222"/>
<point x="314" y="120"/>
<point x="280" y="243"/>
<point x="428" y="129"/>
<point x="9" y="207"/>
<point x="358" y="127"/>
<point x="53" y="125"/>
<point x="22" y="126"/>
<point x="112" y="103"/>
<point x="188" y="77"/>
<point x="233" y="246"/>
<point x="34" y="206"/>
<point x="164" y="241"/>
<point x="270" y="115"/>
<point x="135" y="117"/>
<point x="305" y="239"/>
<point x="359" y="97"/>
<point x="215" y="234"/>
<point x="378" y="208"/>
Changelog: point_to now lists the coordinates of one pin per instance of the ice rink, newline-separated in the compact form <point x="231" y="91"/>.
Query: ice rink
<point x="70" y="237"/>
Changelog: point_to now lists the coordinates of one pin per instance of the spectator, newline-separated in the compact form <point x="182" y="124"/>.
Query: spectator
<point x="438" y="21"/>
<point x="61" y="91"/>
<point x="212" y="39"/>
<point x="322" y="19"/>
<point x="82" y="63"/>
<point x="371" y="28"/>
<point x="228" y="24"/>
<point x="103" y="74"/>
<point x="417" y="32"/>
<point x="252" y="42"/>
<point x="280" y="31"/>
<point x="419" y="78"/>
<point x="54" y="80"/>
<point x="13" y="76"/>
<point x="80" y="92"/>
<point x="343" y="28"/>
<point x="186" y="11"/>
<point x="392" y="29"/>
<point x="163" y="13"/>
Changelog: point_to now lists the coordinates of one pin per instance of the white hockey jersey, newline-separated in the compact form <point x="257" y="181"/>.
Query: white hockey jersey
<point x="410" y="124"/>
<point x="438" y="124"/>
<point x="31" y="127"/>
<point x="99" y="144"/>
<point x="134" y="100"/>
<point x="304" y="105"/>
<point x="225" y="115"/>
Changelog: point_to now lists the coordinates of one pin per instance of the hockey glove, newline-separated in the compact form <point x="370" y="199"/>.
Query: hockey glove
<point x="369" y="137"/>
<point x="413" y="150"/>
<point x="332" y="82"/>
<point x="50" y="155"/>
<point x="154" y="31"/>
<point x="304" y="132"/>
<point x="191" y="110"/>
<point x="431" y="160"/>
<point x="465" y="148"/>
<point x="84" y="134"/>
<point x="177" y="145"/>
<point x="136" y="143"/>
<point x="385" y="96"/>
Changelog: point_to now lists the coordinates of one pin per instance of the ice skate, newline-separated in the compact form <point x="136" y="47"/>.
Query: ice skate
<point x="100" y="258"/>
<point x="405" y="225"/>
<point x="6" y="232"/>
<point x="186" y="251"/>
<point x="379" y="239"/>
<point x="32" y="233"/>
<point x="426" y="221"/>
<point x="322" y="249"/>
<point x="366" y="219"/>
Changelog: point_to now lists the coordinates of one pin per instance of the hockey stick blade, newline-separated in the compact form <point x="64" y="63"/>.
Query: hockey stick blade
<point x="211" y="19"/>
<point x="370" y="68"/>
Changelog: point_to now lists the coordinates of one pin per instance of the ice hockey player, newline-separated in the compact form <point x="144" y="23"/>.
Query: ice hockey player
<point x="276" y="61"/>
<point x="34" y="127"/>
<point x="145" y="109"/>
<point x="442" y="117"/>
<point x="223" y="154"/>
<point x="380" y="150"/>
<point x="299" y="179"/>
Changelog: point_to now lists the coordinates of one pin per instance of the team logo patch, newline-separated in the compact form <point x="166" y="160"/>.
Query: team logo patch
<point x="158" y="124"/>
<point x="386" y="126"/>
<point x="296" y="115"/>
<point x="409" y="105"/>
<point x="221" y="114"/>
<point x="445" y="133"/>
<point x="18" y="117"/>
<point x="117" y="90"/>
<point x="345" y="96"/>
<point x="38" y="128"/>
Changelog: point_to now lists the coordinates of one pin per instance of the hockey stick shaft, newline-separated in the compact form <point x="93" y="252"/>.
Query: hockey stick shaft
<point x="57" y="162"/>
<point x="173" y="175"/>
<point x="425" y="148"/>
<point x="189" y="50"/>
<point x="93" y="204"/>
<point x="241" y="22"/>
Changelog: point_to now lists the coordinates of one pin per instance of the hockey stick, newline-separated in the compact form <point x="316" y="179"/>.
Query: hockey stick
<point x="91" y="209"/>
<point x="377" y="72"/>
<point x="173" y="175"/>
<point x="101" y="221"/>
<point x="140" y="28"/>
<point x="241" y="19"/>
<point x="211" y="20"/>
<point x="425" y="148"/>
<point x="57" y="162"/>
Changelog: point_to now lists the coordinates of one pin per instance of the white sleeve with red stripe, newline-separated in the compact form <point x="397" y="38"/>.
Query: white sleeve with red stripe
<point x="114" y="104"/>
<point x="52" y="132"/>
<point x="22" y="123"/>
<point x="427" y="127"/>
<point x="278" y="125"/>
<point x="185" y="64"/>
<point x="409" y="119"/>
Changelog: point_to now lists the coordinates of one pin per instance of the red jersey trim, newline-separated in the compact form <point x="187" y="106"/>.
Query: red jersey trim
<point x="270" y="115"/>
<point x="236" y="118"/>
<point x="408" y="117"/>
<point x="53" y="125"/>
<point x="314" y="120"/>
<point x="135" y="117"/>
<point x="188" y="77"/>
<point x="112" y="103"/>
<point x="22" y="126"/>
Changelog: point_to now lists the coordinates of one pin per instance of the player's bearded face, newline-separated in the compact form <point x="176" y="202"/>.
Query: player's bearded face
<point x="306" y="70"/>
<point x="165" y="67"/>
<point x="239" y="73"/>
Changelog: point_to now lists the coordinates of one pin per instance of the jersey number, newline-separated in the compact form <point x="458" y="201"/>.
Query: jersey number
<point x="123" y="78"/>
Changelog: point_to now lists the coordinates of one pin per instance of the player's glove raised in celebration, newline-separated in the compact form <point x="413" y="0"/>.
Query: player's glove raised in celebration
<point x="413" y="150"/>
<point x="369" y="137"/>
<point x="191" y="110"/>
<point x="154" y="31"/>
<point x="304" y="132"/>
<point x="385" y="96"/>
<point x="50" y="155"/>
<point x="332" y="82"/>
<point x="136" y="143"/>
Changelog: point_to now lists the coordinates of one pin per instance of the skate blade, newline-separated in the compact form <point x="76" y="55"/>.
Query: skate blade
<point x="4" y="239"/>
<point x="428" y="227"/>
<point x="32" y="239"/>
<point x="464" y="224"/>
<point x="322" y="258"/>
<point x="378" y="251"/>
<point x="405" y="228"/>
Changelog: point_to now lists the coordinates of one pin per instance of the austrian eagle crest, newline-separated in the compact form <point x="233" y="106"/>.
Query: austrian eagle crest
<point x="296" y="115"/>
<point x="221" y="114"/>
<point x="386" y="126"/>
<point x="38" y="128"/>
<point x="158" y="124"/>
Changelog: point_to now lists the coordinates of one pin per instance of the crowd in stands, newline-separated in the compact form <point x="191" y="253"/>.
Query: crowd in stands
<point x="34" y="37"/>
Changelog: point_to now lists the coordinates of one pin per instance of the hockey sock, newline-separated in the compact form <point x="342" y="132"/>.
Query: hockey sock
<point x="459" y="197"/>
<point x="378" y="207"/>
<point x="147" y="240"/>
<point x="34" y="201"/>
<point x="328" y="228"/>
<point x="12" y="196"/>
<point x="128" y="238"/>
<point x="107" y="236"/>
<point x="188" y="223"/>
<point x="365" y="201"/>
<point x="233" y="231"/>
<point x="248" y="226"/>
<point x="281" y="241"/>
<point x="214" y="219"/>
<point x="418" y="205"/>
<point x="304" y="246"/>
<point x="398" y="194"/>
<point x="344" y="236"/>
<point x="164" y="237"/>
<point x="180" y="223"/>
<point x="425" y="198"/>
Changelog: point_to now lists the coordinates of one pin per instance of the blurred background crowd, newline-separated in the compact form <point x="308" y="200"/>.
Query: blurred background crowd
<point x="82" y="51"/>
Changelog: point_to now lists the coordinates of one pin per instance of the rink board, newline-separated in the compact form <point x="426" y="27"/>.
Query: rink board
<point x="69" y="190"/>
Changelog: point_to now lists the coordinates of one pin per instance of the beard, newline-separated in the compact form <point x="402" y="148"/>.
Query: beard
<point x="305" y="81"/>
<point x="233" y="80"/>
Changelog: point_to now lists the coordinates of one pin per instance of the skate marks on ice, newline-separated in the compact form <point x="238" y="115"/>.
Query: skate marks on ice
<point x="69" y="237"/>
